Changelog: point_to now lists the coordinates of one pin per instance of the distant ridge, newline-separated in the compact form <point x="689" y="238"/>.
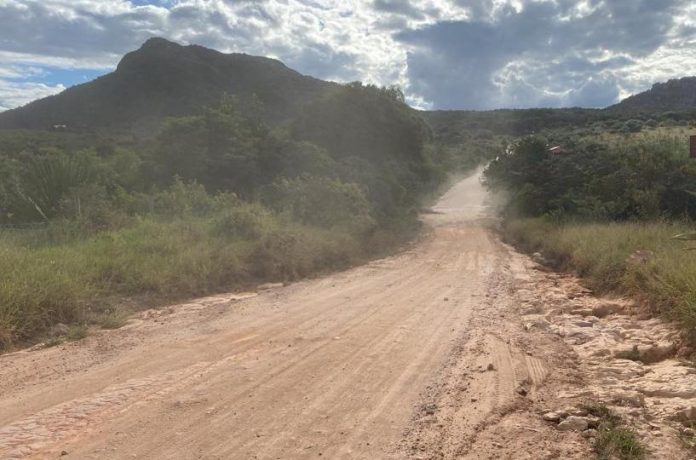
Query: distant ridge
<point x="673" y="95"/>
<point x="162" y="79"/>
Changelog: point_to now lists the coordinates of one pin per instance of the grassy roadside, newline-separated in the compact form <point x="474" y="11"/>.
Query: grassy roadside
<point x="55" y="275"/>
<point x="601" y="253"/>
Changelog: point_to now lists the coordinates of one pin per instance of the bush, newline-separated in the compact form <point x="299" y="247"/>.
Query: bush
<point x="644" y="178"/>
<point x="90" y="207"/>
<point x="295" y="252"/>
<point x="632" y="126"/>
<point x="38" y="288"/>
<point x="248" y="221"/>
<point x="184" y="199"/>
<point x="322" y="202"/>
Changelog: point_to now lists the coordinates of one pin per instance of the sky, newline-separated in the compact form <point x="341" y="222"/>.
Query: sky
<point x="444" y="54"/>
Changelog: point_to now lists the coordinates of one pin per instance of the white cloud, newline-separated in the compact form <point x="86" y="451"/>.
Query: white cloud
<point x="445" y="53"/>
<point x="548" y="53"/>
<point x="15" y="94"/>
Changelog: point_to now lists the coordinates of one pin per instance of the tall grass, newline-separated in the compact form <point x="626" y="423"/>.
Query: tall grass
<point x="600" y="252"/>
<point x="48" y="276"/>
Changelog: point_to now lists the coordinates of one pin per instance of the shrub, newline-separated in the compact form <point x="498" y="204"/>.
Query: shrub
<point x="77" y="332"/>
<point x="248" y="221"/>
<point x="320" y="201"/>
<point x="112" y="319"/>
<point x="646" y="178"/>
<point x="182" y="199"/>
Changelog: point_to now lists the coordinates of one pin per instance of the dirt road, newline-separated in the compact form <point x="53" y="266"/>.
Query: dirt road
<point x="417" y="355"/>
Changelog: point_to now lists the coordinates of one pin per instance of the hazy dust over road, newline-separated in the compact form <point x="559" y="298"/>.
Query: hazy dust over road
<point x="417" y="355"/>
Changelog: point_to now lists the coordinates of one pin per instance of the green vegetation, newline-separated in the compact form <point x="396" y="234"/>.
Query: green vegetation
<point x="164" y="79"/>
<point x="688" y="437"/>
<point x="640" y="177"/>
<point x="77" y="332"/>
<point x="153" y="182"/>
<point x="618" y="442"/>
<point x="45" y="283"/>
<point x="673" y="95"/>
<point x="213" y="202"/>
<point x="113" y="318"/>
<point x="608" y="208"/>
<point x="601" y="253"/>
<point x="613" y="440"/>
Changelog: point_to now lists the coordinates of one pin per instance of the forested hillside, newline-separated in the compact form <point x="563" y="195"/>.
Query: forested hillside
<point x="163" y="79"/>
<point x="674" y="95"/>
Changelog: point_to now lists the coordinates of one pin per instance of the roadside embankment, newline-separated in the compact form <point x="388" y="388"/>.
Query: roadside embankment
<point x="637" y="259"/>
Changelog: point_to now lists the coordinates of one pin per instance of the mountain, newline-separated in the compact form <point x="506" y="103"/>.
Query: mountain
<point x="674" y="95"/>
<point x="162" y="79"/>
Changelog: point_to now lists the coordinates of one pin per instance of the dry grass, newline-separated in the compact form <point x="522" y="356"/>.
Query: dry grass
<point x="600" y="252"/>
<point x="46" y="280"/>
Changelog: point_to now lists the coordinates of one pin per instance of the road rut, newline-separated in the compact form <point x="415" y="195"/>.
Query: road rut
<point x="358" y="364"/>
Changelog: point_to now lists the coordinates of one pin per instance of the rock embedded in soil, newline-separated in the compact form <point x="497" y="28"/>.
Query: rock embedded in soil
<point x="686" y="416"/>
<point x="536" y="322"/>
<point x="552" y="417"/>
<point x="573" y="423"/>
<point x="630" y="362"/>
<point x="658" y="352"/>
<point x="590" y="433"/>
<point x="605" y="309"/>
<point x="576" y="411"/>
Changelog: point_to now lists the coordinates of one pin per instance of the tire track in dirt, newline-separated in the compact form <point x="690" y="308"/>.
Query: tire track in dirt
<point x="340" y="367"/>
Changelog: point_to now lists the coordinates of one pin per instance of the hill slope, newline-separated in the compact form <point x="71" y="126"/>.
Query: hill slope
<point x="673" y="95"/>
<point x="166" y="79"/>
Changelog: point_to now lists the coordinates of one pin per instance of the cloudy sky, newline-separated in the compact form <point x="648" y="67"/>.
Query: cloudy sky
<point x="465" y="54"/>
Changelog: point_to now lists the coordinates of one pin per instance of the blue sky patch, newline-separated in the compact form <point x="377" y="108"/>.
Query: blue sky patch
<point x="54" y="76"/>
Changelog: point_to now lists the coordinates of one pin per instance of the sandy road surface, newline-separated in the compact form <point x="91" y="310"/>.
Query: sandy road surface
<point x="409" y="356"/>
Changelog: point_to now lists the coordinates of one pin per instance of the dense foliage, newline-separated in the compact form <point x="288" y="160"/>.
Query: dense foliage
<point x="213" y="201"/>
<point x="643" y="177"/>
